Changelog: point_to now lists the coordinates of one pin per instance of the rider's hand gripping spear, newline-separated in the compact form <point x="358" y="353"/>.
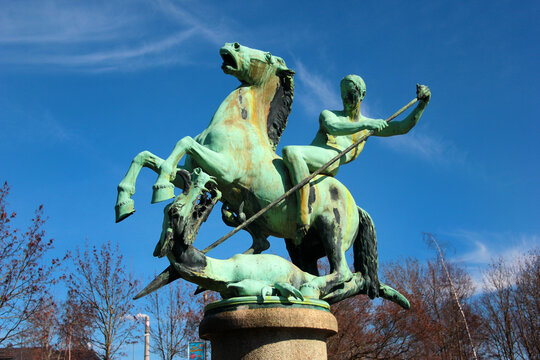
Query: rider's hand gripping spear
<point x="305" y="181"/>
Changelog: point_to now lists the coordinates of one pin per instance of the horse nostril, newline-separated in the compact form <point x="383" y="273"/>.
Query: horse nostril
<point x="236" y="45"/>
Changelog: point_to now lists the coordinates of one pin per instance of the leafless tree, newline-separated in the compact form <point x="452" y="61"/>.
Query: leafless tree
<point x="527" y="298"/>
<point x="102" y="283"/>
<point x="24" y="273"/>
<point x="511" y="307"/>
<point x="497" y="304"/>
<point x="175" y="319"/>
<point x="431" y="240"/>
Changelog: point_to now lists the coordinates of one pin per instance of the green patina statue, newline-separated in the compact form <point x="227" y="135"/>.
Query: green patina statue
<point x="234" y="161"/>
<point x="243" y="274"/>
<point x="338" y="130"/>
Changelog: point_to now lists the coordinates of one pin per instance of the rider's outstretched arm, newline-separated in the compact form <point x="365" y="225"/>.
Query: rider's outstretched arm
<point x="335" y="126"/>
<point x="405" y="125"/>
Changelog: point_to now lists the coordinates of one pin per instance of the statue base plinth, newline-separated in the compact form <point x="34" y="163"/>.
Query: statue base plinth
<point x="250" y="328"/>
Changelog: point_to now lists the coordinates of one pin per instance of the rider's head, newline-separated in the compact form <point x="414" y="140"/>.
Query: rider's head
<point x="353" y="90"/>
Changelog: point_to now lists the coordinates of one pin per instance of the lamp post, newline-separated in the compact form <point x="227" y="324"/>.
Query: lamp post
<point x="132" y="348"/>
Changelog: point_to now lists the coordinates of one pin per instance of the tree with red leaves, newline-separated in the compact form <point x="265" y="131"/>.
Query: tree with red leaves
<point x="25" y="275"/>
<point x="434" y="327"/>
<point x="42" y="328"/>
<point x="75" y="325"/>
<point x="431" y="329"/>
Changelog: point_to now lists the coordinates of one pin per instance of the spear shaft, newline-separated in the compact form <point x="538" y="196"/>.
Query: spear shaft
<point x="303" y="182"/>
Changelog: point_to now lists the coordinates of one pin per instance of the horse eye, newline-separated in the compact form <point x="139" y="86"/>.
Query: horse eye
<point x="236" y="45"/>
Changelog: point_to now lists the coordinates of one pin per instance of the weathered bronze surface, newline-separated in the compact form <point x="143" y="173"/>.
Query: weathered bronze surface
<point x="234" y="161"/>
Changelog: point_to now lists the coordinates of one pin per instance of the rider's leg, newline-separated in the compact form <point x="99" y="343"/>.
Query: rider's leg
<point x="213" y="163"/>
<point x="124" y="204"/>
<point x="302" y="161"/>
<point x="298" y="171"/>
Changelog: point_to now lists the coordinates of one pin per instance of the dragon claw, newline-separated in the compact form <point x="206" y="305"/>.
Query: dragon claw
<point x="288" y="290"/>
<point x="266" y="291"/>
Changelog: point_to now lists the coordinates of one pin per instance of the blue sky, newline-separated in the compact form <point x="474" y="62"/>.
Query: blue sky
<point x="85" y="86"/>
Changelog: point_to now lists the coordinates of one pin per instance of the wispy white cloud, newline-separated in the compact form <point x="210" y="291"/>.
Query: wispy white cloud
<point x="104" y="36"/>
<point x="214" y="32"/>
<point x="428" y="147"/>
<point x="50" y="22"/>
<point x="486" y="246"/>
<point x="119" y="56"/>
<point x="317" y="93"/>
<point x="482" y="248"/>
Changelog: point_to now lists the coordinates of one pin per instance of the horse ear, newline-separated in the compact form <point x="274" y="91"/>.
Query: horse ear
<point x="282" y="69"/>
<point x="285" y="72"/>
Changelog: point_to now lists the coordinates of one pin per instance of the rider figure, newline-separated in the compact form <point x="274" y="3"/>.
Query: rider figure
<point x="339" y="129"/>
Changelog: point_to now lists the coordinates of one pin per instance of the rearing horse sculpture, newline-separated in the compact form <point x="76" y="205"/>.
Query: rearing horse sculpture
<point x="238" y="150"/>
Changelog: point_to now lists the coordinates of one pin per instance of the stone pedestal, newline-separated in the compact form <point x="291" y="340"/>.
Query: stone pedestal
<point x="249" y="328"/>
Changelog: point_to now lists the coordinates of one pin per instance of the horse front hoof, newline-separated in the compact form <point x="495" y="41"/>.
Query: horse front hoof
<point x="124" y="209"/>
<point x="162" y="192"/>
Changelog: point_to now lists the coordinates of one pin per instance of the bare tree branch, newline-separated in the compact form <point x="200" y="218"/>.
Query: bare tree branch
<point x="24" y="273"/>
<point x="102" y="284"/>
<point x="430" y="238"/>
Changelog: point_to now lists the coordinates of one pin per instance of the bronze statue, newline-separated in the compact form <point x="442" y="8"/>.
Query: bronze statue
<point x="234" y="161"/>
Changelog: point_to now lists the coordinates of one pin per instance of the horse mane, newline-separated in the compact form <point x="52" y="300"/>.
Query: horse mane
<point x="280" y="107"/>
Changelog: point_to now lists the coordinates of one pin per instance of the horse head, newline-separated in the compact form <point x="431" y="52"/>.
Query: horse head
<point x="260" y="69"/>
<point x="251" y="66"/>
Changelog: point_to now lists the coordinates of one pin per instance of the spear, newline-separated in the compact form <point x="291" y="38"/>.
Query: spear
<point x="303" y="182"/>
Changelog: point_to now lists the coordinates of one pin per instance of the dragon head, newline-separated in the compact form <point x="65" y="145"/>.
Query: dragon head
<point x="189" y="210"/>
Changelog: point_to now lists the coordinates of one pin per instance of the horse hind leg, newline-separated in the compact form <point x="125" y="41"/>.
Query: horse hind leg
<point x="334" y="238"/>
<point x="365" y="280"/>
<point x="305" y="255"/>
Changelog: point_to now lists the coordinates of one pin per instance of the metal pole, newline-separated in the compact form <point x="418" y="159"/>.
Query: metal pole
<point x="132" y="348"/>
<point x="147" y="338"/>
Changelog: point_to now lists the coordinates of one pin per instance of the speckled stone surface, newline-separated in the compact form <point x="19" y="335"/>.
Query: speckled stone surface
<point x="268" y="333"/>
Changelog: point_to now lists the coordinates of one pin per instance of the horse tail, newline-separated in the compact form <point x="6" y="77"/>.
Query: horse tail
<point x="365" y="253"/>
